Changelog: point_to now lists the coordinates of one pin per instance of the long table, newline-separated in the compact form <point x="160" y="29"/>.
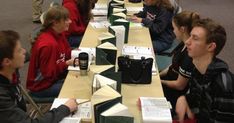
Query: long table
<point x="76" y="86"/>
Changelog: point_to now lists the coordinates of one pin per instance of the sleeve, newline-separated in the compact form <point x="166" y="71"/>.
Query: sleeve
<point x="77" y="26"/>
<point x="16" y="115"/>
<point x="160" y="23"/>
<point x="50" y="67"/>
<point x="223" y="104"/>
<point x="11" y="113"/>
<point x="186" y="66"/>
<point x="193" y="96"/>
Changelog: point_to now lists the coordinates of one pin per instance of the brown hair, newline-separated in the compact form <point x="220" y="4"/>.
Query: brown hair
<point x="214" y="33"/>
<point x="85" y="7"/>
<point x="186" y="19"/>
<point x="164" y="3"/>
<point x="8" y="40"/>
<point x="54" y="13"/>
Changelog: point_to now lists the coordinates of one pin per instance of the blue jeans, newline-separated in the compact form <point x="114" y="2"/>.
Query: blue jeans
<point x="52" y="91"/>
<point x="160" y="46"/>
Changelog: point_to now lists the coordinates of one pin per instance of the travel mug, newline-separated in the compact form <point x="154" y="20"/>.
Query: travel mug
<point x="83" y="63"/>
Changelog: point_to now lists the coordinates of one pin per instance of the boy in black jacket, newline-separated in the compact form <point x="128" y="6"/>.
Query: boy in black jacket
<point x="12" y="105"/>
<point x="211" y="94"/>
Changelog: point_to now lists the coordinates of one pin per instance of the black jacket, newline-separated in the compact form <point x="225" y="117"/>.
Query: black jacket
<point x="159" y="22"/>
<point x="13" y="108"/>
<point x="211" y="95"/>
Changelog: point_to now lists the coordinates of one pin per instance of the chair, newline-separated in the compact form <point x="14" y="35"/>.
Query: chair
<point x="169" y="51"/>
<point x="163" y="61"/>
<point x="39" y="105"/>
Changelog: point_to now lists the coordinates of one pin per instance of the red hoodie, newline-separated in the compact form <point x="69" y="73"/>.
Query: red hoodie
<point x="48" y="60"/>
<point x="78" y="25"/>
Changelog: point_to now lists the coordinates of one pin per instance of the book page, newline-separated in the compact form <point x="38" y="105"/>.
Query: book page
<point x="100" y="81"/>
<point x="117" y="110"/>
<point x="107" y="45"/>
<point x="155" y="110"/>
<point x="104" y="94"/>
<point x="83" y="110"/>
<point x="105" y="35"/>
<point x="120" y="35"/>
<point x="100" y="24"/>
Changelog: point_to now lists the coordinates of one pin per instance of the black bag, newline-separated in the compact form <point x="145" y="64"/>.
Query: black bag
<point x="135" y="71"/>
<point x="134" y="1"/>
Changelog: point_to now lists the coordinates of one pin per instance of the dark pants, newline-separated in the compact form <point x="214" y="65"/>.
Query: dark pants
<point x="52" y="91"/>
<point x="74" y="41"/>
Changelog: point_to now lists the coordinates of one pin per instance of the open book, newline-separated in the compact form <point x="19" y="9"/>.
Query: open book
<point x="100" y="81"/>
<point x="116" y="114"/>
<point x="126" y="24"/>
<point x="83" y="111"/>
<point x="116" y="16"/>
<point x="119" y="32"/>
<point x="107" y="37"/>
<point x="106" y="54"/>
<point x="103" y="99"/>
<point x="155" y="110"/>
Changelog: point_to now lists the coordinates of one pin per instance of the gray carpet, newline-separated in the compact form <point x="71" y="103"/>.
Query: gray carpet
<point x="16" y="15"/>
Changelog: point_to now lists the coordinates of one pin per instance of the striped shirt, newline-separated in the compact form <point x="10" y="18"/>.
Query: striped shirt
<point x="211" y="95"/>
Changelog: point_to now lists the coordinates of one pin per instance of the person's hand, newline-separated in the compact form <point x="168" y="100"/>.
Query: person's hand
<point x="70" y="62"/>
<point x="71" y="104"/>
<point x="136" y="19"/>
<point x="182" y="108"/>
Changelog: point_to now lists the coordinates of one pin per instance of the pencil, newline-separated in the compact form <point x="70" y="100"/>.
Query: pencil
<point x="79" y="103"/>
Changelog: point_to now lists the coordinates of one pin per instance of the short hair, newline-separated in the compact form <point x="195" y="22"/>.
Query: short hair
<point x="214" y="33"/>
<point x="8" y="40"/>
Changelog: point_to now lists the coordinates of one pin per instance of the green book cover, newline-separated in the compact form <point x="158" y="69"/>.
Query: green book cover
<point x="106" y="54"/>
<point x="117" y="76"/>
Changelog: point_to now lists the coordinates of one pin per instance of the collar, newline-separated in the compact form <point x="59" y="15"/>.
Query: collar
<point x="56" y="35"/>
<point x="4" y="80"/>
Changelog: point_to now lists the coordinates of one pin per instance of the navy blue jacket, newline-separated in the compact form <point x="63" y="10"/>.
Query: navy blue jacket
<point x="159" y="22"/>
